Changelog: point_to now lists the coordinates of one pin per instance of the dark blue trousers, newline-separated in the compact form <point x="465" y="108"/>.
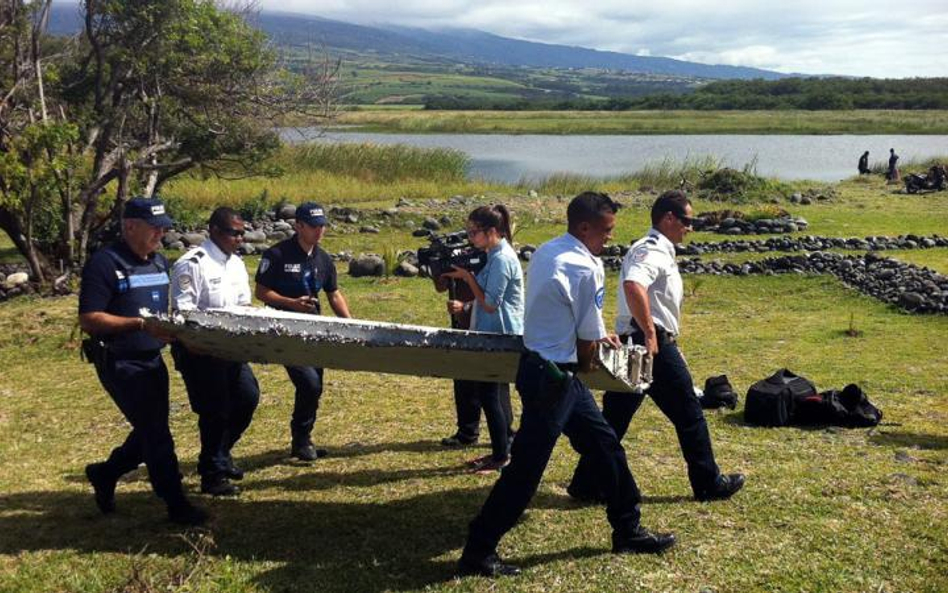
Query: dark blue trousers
<point x="308" y="382"/>
<point x="673" y="392"/>
<point x="224" y="395"/>
<point x="492" y="397"/>
<point x="469" y="400"/>
<point x="139" y="387"/>
<point x="550" y="409"/>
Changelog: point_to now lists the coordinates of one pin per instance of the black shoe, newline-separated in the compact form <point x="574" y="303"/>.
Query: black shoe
<point x="183" y="512"/>
<point x="219" y="486"/>
<point x="232" y="471"/>
<point x="103" y="484"/>
<point x="582" y="496"/>
<point x="642" y="541"/>
<point x="489" y="566"/>
<point x="307" y="451"/>
<point x="724" y="488"/>
<point x="456" y="441"/>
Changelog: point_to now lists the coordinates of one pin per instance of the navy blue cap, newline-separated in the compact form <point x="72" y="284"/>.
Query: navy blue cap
<point x="151" y="210"/>
<point x="311" y="213"/>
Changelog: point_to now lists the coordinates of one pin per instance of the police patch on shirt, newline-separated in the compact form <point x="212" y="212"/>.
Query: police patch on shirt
<point x="264" y="265"/>
<point x="600" y="297"/>
<point x="640" y="253"/>
<point x="292" y="268"/>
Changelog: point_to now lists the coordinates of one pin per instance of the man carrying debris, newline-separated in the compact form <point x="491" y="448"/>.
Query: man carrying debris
<point x="290" y="276"/>
<point x="224" y="394"/>
<point x="117" y="283"/>
<point x="650" y="295"/>
<point x="562" y="329"/>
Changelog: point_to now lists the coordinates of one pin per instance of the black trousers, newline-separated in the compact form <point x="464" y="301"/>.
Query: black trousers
<point x="492" y="398"/>
<point x="468" y="407"/>
<point x="468" y="402"/>
<point x="139" y="387"/>
<point x="673" y="392"/>
<point x="549" y="410"/>
<point x="308" y="382"/>
<point x="224" y="395"/>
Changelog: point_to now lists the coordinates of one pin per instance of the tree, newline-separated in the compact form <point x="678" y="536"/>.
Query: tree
<point x="149" y="91"/>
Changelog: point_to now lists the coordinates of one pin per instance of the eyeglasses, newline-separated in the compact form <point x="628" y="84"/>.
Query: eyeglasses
<point x="474" y="231"/>
<point x="233" y="232"/>
<point x="688" y="221"/>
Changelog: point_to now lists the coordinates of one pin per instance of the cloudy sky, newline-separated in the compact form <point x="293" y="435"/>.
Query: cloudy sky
<point x="892" y="39"/>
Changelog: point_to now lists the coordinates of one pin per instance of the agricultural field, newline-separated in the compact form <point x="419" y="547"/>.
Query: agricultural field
<point x="824" y="509"/>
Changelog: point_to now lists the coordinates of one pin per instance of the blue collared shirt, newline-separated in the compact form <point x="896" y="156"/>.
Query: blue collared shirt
<point x="502" y="282"/>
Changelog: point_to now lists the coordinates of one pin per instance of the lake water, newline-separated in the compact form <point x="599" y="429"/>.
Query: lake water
<point x="510" y="158"/>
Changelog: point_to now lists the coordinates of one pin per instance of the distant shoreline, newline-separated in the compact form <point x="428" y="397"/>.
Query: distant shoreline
<point x="818" y="123"/>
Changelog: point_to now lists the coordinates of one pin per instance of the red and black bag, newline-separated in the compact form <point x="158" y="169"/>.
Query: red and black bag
<point x="773" y="401"/>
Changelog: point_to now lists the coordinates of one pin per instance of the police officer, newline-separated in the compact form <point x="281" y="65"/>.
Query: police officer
<point x="562" y="328"/>
<point x="290" y="276"/>
<point x="650" y="295"/>
<point x="223" y="393"/>
<point x="118" y="282"/>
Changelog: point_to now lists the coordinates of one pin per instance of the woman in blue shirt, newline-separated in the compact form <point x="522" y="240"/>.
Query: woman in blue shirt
<point x="497" y="307"/>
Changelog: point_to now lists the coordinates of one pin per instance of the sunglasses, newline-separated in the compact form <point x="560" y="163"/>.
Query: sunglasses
<point x="688" y="221"/>
<point x="233" y="232"/>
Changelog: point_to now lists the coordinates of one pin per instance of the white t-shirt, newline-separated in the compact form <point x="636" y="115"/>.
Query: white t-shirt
<point x="651" y="263"/>
<point x="206" y="278"/>
<point x="565" y="291"/>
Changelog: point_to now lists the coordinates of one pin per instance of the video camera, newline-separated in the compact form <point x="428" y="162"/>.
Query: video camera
<point x="448" y="250"/>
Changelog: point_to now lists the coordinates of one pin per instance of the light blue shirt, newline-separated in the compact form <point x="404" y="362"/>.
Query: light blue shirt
<point x="565" y="291"/>
<point x="502" y="282"/>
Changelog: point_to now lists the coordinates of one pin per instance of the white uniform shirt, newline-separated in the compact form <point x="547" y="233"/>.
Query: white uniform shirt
<point x="565" y="290"/>
<point x="651" y="263"/>
<point x="206" y="278"/>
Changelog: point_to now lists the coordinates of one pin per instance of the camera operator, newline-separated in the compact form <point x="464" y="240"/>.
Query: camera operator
<point x="497" y="307"/>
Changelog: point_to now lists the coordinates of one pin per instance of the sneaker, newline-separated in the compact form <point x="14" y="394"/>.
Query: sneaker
<point x="183" y="512"/>
<point x="489" y="566"/>
<point x="306" y="451"/>
<point x="219" y="486"/>
<point x="642" y="541"/>
<point x="725" y="487"/>
<point x="456" y="441"/>
<point x="103" y="484"/>
<point x="490" y="466"/>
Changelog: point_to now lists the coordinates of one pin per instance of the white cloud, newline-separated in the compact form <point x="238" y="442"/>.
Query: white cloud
<point x="850" y="37"/>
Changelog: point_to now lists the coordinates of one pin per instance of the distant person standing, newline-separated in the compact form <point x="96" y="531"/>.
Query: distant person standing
<point x="893" y="173"/>
<point x="289" y="277"/>
<point x="864" y="163"/>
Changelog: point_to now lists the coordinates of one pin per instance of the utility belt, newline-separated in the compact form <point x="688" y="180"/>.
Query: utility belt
<point x="638" y="337"/>
<point x="97" y="351"/>
<point x="558" y="372"/>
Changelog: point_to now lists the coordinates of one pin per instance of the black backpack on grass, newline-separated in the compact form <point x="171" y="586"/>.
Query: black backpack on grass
<point x="849" y="407"/>
<point x="773" y="401"/>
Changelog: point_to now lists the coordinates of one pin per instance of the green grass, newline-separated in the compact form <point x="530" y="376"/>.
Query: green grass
<point x="824" y="510"/>
<point x="651" y="122"/>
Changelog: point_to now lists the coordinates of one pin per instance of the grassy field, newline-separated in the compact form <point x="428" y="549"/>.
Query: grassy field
<point x="824" y="509"/>
<point x="651" y="122"/>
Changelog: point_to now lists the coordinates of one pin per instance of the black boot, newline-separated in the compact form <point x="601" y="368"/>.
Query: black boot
<point x="642" y="541"/>
<point x="725" y="487"/>
<point x="218" y="485"/>
<point x="103" y="484"/>
<point x="304" y="450"/>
